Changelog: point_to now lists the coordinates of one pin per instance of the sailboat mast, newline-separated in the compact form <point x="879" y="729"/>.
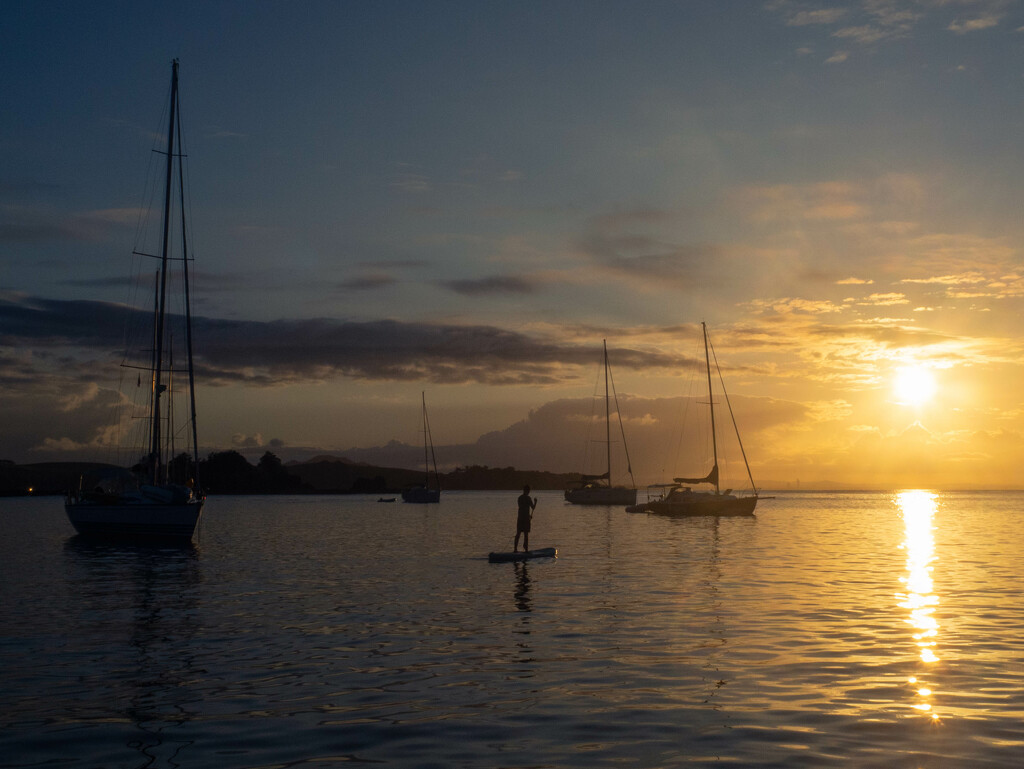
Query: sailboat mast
<point x="426" y="455"/>
<point x="711" y="403"/>
<point x="188" y="318"/>
<point x="157" y="374"/>
<point x="430" y="440"/>
<point x="607" y="416"/>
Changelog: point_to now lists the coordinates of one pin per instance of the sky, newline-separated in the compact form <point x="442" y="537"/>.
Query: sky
<point x="464" y="199"/>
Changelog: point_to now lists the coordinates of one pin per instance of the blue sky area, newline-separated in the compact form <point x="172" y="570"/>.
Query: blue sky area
<point x="466" y="198"/>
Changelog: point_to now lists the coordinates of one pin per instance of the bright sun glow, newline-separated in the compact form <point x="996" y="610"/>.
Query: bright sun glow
<point x="914" y="385"/>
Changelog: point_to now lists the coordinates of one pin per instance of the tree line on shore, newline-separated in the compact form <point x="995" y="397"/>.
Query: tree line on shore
<point x="228" y="472"/>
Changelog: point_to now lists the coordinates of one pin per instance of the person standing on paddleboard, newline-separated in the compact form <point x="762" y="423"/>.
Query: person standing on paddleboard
<point x="526" y="506"/>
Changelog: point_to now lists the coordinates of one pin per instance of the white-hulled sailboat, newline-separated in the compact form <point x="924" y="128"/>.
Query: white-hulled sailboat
<point x="681" y="500"/>
<point x="598" y="489"/>
<point x="159" y="498"/>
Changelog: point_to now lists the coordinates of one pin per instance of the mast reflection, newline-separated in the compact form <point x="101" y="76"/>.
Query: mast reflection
<point x="919" y="599"/>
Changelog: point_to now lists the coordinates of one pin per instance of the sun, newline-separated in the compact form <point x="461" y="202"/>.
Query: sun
<point x="914" y="385"/>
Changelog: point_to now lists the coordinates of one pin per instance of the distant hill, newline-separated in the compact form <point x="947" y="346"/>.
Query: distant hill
<point x="325" y="458"/>
<point x="229" y="472"/>
<point x="332" y="475"/>
<point x="326" y="474"/>
<point x="43" y="477"/>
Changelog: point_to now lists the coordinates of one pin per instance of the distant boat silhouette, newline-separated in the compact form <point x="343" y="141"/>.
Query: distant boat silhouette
<point x="680" y="499"/>
<point x="117" y="504"/>
<point x="598" y="489"/>
<point x="425" y="493"/>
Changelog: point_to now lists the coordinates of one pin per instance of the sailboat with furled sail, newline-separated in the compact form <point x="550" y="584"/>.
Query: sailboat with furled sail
<point x="160" y="497"/>
<point x="680" y="499"/>
<point x="598" y="489"/>
<point x="428" y="492"/>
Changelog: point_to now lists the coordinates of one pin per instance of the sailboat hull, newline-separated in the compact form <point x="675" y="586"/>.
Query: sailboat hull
<point x="421" y="495"/>
<point x="703" y="504"/>
<point x="174" y="521"/>
<point x="601" y="495"/>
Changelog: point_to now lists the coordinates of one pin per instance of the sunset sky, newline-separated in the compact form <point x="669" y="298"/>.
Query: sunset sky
<point x="466" y="198"/>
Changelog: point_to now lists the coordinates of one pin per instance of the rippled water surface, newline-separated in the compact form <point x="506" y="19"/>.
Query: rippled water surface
<point x="831" y="630"/>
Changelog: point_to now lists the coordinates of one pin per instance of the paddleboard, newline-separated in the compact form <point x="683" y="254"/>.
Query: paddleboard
<point x="522" y="555"/>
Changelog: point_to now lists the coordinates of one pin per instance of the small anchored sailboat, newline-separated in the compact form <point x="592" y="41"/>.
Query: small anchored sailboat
<point x="426" y="492"/>
<point x="160" y="497"/>
<point x="598" y="489"/>
<point x="680" y="499"/>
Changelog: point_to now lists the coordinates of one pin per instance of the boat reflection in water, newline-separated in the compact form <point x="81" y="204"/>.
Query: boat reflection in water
<point x="147" y="597"/>
<point x="918" y="509"/>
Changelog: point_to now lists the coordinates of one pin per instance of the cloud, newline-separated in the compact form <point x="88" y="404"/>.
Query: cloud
<point x="795" y="305"/>
<point x="25" y="224"/>
<point x="97" y="324"/>
<point x="819" y="16"/>
<point x="112" y="282"/>
<point x="818" y="202"/>
<point x="497" y="284"/>
<point x="617" y="220"/>
<point x="865" y="35"/>
<point x="867" y="23"/>
<point x="630" y="246"/>
<point x="369" y="282"/>
<point x="973" y="25"/>
<point x="974" y="284"/>
<point x="397" y="264"/>
<point x="949" y="280"/>
<point x="240" y="441"/>
<point x="648" y="260"/>
<point x="411" y="183"/>
<point x="44" y="419"/>
<point x="883" y="300"/>
<point x="268" y="353"/>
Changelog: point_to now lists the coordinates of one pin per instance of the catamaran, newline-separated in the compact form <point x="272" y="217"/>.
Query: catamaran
<point x="598" y="489"/>
<point x="161" y="496"/>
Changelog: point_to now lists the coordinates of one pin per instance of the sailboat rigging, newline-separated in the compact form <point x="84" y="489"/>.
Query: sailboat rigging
<point x="598" y="489"/>
<point x="150" y="501"/>
<point x="680" y="499"/>
<point x="425" y="493"/>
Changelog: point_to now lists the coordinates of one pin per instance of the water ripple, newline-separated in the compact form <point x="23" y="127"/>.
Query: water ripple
<point x="831" y="630"/>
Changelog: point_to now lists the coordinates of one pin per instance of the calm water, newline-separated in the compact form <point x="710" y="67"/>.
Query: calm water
<point x="832" y="630"/>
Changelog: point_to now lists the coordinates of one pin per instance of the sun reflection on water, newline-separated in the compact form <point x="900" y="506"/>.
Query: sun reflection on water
<point x="919" y="598"/>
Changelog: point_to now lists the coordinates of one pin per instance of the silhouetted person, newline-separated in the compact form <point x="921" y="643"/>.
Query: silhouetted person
<point x="526" y="506"/>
